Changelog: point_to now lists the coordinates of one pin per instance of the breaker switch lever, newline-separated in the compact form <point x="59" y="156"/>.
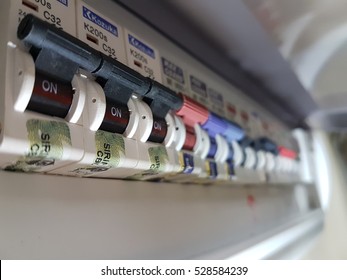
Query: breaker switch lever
<point x="192" y="112"/>
<point x="287" y="153"/>
<point x="162" y="99"/>
<point x="266" y="144"/>
<point x="119" y="81"/>
<point x="214" y="125"/>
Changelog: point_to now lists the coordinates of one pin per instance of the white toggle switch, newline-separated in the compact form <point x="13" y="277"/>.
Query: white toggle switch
<point x="222" y="149"/>
<point x="171" y="130"/>
<point x="198" y="146"/>
<point x="24" y="73"/>
<point x="134" y="120"/>
<point x="261" y="160"/>
<point x="238" y="154"/>
<point x="144" y="117"/>
<point x="270" y="162"/>
<point x="250" y="158"/>
<point x="296" y="167"/>
<point x="95" y="104"/>
<point x="180" y="135"/>
<point x="206" y="144"/>
<point x="289" y="165"/>
<point x="79" y="98"/>
<point x="280" y="164"/>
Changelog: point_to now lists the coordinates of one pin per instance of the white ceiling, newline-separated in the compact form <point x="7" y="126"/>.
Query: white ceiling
<point x="312" y="35"/>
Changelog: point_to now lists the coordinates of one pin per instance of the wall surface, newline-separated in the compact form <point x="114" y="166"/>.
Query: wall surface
<point x="332" y="242"/>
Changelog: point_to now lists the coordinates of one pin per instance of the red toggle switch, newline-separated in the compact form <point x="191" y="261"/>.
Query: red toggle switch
<point x="192" y="112"/>
<point x="283" y="151"/>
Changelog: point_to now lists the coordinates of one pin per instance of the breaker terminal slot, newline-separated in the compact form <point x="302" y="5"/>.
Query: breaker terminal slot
<point x="92" y="39"/>
<point x="137" y="63"/>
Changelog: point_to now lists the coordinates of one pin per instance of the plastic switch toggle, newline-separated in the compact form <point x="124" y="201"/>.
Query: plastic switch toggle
<point x="162" y="99"/>
<point x="284" y="152"/>
<point x="119" y="81"/>
<point x="214" y="125"/>
<point x="233" y="132"/>
<point x="266" y="144"/>
<point x="192" y="112"/>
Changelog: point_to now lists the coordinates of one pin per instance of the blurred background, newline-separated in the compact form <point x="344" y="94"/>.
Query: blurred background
<point x="297" y="52"/>
<point x="312" y="36"/>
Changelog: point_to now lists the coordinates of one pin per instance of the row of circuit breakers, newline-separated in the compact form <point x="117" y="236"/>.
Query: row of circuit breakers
<point x="73" y="110"/>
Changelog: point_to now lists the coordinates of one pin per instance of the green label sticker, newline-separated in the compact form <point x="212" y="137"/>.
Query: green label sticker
<point x="158" y="158"/>
<point x="110" y="148"/>
<point x="47" y="140"/>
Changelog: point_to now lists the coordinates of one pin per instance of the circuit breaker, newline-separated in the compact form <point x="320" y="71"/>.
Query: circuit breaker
<point x="93" y="99"/>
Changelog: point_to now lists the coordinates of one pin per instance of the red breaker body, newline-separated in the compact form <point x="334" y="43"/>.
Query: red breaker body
<point x="196" y="143"/>
<point x="287" y="161"/>
<point x="191" y="113"/>
<point x="286" y="166"/>
<point x="288" y="153"/>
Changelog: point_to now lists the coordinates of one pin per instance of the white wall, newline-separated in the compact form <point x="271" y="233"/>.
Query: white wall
<point x="332" y="242"/>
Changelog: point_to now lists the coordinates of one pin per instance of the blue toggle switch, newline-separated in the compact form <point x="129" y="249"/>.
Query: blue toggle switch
<point x="214" y="125"/>
<point x="233" y="132"/>
<point x="266" y="144"/>
<point x="230" y="131"/>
